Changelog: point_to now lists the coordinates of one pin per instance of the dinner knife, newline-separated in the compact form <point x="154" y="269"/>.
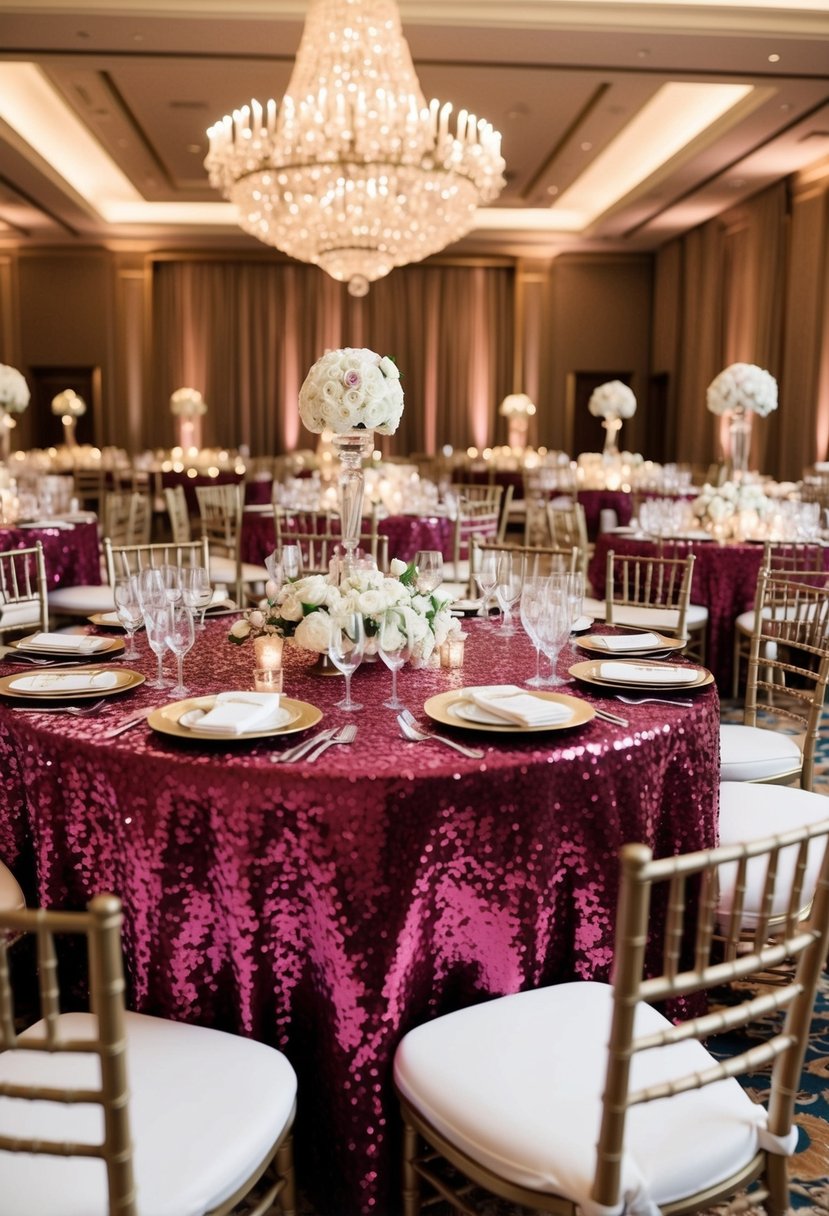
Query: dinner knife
<point x="128" y="725"/>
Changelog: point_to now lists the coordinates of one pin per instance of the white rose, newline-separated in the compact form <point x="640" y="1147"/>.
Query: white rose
<point x="372" y="602"/>
<point x="718" y="509"/>
<point x="313" y="590"/>
<point x="256" y="619"/>
<point x="291" y="608"/>
<point x="240" y="629"/>
<point x="397" y="567"/>
<point x="389" y="368"/>
<point x="314" y="632"/>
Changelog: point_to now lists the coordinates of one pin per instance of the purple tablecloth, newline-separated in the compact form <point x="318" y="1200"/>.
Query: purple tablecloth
<point x="327" y="909"/>
<point x="70" y="553"/>
<point x="407" y="534"/>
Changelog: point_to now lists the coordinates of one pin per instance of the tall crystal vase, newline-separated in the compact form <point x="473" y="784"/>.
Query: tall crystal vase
<point x="352" y="447"/>
<point x="69" y="424"/>
<point x="612" y="426"/>
<point x="6" y="425"/>
<point x="739" y="431"/>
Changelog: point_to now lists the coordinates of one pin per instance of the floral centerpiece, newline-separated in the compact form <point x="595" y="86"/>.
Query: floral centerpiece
<point x="68" y="404"/>
<point x="518" y="409"/>
<point x="742" y="387"/>
<point x="612" y="401"/>
<point x="306" y="609"/>
<point x="14" y="391"/>
<point x="732" y="510"/>
<point x="187" y="403"/>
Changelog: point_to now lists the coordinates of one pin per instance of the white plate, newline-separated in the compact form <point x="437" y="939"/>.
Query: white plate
<point x="279" y="718"/>
<point x="470" y="712"/>
<point x="581" y="624"/>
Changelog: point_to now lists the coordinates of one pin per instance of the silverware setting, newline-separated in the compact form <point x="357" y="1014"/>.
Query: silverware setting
<point x="128" y="725"/>
<point x="609" y="717"/>
<point x="654" y="701"/>
<point x="299" y="749"/>
<point x="346" y="734"/>
<point x="416" y="734"/>
<point x="79" y="711"/>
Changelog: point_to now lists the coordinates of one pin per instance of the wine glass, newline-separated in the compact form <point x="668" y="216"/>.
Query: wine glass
<point x="346" y="645"/>
<point x="508" y="582"/>
<point x="156" y="615"/>
<point x="533" y="597"/>
<point x="575" y="592"/>
<point x="179" y="636"/>
<point x="429" y="565"/>
<point x="128" y="607"/>
<point x="394" y="646"/>
<point x="553" y="631"/>
<point x="290" y="559"/>
<point x="171" y="576"/>
<point x="150" y="584"/>
<point x="196" y="591"/>
<point x="486" y="577"/>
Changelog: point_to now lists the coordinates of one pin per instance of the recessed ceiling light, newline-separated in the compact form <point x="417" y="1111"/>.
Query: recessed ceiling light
<point x="643" y="54"/>
<point x="774" y="58"/>
<point x="586" y="145"/>
<point x="194" y="148"/>
<point x="552" y="189"/>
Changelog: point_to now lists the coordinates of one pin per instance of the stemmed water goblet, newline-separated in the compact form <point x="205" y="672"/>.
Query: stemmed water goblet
<point x="346" y="646"/>
<point x="171" y="576"/>
<point x="156" y="618"/>
<point x="486" y="576"/>
<point x="429" y="565"/>
<point x="128" y="608"/>
<point x="509" y="580"/>
<point x="394" y="646"/>
<point x="150" y="584"/>
<point x="575" y="593"/>
<point x="533" y="598"/>
<point x="196" y="590"/>
<point x="290" y="559"/>
<point x="553" y="631"/>
<point x="179" y="636"/>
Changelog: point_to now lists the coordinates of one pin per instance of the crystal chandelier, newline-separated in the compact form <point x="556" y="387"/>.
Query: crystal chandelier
<point x="354" y="172"/>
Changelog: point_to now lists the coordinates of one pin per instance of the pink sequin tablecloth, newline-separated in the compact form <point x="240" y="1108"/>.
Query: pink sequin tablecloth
<point x="328" y="908"/>
<point x="406" y="533"/>
<point x="70" y="551"/>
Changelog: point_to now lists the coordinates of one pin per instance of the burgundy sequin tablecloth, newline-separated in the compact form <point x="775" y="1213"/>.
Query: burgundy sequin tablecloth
<point x="70" y="551"/>
<point x="328" y="908"/>
<point x="725" y="580"/>
<point x="407" y="534"/>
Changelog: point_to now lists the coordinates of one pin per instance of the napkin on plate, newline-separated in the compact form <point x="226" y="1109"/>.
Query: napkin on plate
<point x="627" y="641"/>
<point x="69" y="643"/>
<point x="633" y="673"/>
<point x="60" y="682"/>
<point x="517" y="707"/>
<point x="235" y="713"/>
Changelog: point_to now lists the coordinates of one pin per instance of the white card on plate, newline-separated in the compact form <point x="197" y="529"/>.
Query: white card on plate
<point x="67" y="643"/>
<point x="627" y="641"/>
<point x="514" y="706"/>
<point x="60" y="682"/>
<point x="236" y="713"/>
<point x="636" y="673"/>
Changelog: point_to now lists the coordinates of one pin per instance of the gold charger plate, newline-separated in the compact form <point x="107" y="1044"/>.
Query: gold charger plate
<point x="588" y="673"/>
<point x="109" y="620"/>
<point x="439" y="709"/>
<point x="167" y="721"/>
<point x="665" y="646"/>
<point x="110" y="647"/>
<point x="125" y="680"/>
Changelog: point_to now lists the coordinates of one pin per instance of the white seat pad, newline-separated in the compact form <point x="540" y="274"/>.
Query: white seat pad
<point x="655" y="618"/>
<point x="223" y="570"/>
<point x="754" y="812"/>
<point x="516" y="1083"/>
<point x="750" y="753"/>
<point x="82" y="601"/>
<point x="14" y="615"/>
<point x="205" y="1108"/>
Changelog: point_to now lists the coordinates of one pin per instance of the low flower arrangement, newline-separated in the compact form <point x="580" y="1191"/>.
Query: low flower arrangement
<point x="352" y="389"/>
<point x="742" y="387"/>
<point x="306" y="609"/>
<point x="14" y="391"/>
<point x="612" y="400"/>
<point x="517" y="405"/>
<point x="68" y="404"/>
<point x="187" y="403"/>
<point x="732" y="510"/>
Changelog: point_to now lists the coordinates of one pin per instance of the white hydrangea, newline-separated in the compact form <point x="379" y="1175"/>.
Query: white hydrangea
<point x="352" y="389"/>
<point x="742" y="386"/>
<point x="612" y="400"/>
<point x="14" y="391"/>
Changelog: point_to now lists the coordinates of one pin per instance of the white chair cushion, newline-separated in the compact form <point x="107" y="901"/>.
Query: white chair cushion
<point x="750" y="753"/>
<point x="516" y="1083"/>
<point x="223" y="570"/>
<point x="205" y="1108"/>
<point x="82" y="601"/>
<point x="652" y="618"/>
<point x="11" y="895"/>
<point x="754" y="812"/>
<point x="14" y="615"/>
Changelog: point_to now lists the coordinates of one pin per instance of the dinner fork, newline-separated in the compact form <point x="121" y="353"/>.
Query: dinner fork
<point x="653" y="701"/>
<point x="416" y="734"/>
<point x="80" y="711"/>
<point x="346" y="734"/>
<point x="299" y="749"/>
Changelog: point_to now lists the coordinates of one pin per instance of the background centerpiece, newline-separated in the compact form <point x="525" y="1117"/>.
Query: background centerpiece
<point x="613" y="402"/>
<point x="69" y="407"/>
<point x="351" y="392"/>
<point x="738" y="392"/>
<point x="14" y="397"/>
<point x="189" y="407"/>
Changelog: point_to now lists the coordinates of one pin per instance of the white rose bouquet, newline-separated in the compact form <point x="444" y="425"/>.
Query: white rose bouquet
<point x="740" y="387"/>
<point x="612" y="400"/>
<point x="517" y="405"/>
<point x="725" y="506"/>
<point x="68" y="404"/>
<point x="14" y="391"/>
<point x="306" y="609"/>
<point x="187" y="403"/>
<point x="352" y="389"/>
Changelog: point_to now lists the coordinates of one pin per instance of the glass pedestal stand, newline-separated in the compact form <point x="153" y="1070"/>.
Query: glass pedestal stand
<point x="739" y="433"/>
<point x="612" y="426"/>
<point x="351" y="447"/>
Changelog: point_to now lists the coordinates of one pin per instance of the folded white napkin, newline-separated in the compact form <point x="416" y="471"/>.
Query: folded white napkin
<point x="633" y="673"/>
<point x="71" y="643"/>
<point x="234" y="713"/>
<point x="627" y="641"/>
<point x="66" y="681"/>
<point x="514" y="705"/>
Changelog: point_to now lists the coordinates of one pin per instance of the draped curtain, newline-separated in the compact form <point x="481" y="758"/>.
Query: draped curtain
<point x="245" y="334"/>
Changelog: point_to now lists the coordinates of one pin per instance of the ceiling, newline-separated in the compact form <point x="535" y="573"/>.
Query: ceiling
<point x="562" y="81"/>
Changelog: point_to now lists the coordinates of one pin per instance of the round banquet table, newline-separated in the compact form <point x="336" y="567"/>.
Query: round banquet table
<point x="70" y="550"/>
<point x="327" y="908"/>
<point x="724" y="582"/>
<point x="407" y="534"/>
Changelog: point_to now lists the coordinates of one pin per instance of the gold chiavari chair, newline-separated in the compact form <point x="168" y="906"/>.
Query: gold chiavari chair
<point x="478" y="515"/>
<point x="649" y="592"/>
<point x="23" y="590"/>
<point x="582" y="1097"/>
<point x="176" y="502"/>
<point x="220" y="510"/>
<point x="109" y="1111"/>
<point x="88" y="487"/>
<point x="319" y="537"/>
<point x="123" y="560"/>
<point x="127" y="518"/>
<point x="567" y="525"/>
<point x="539" y="560"/>
<point x="788" y="668"/>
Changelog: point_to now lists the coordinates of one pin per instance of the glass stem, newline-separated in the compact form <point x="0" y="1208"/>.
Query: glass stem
<point x="537" y="662"/>
<point x="180" y="669"/>
<point x="394" y="683"/>
<point x="160" y="658"/>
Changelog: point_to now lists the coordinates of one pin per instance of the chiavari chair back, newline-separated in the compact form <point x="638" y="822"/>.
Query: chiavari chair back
<point x="124" y="560"/>
<point x="127" y="518"/>
<point x="637" y="1088"/>
<point x="540" y="561"/>
<point x="108" y="1111"/>
<point x="220" y="510"/>
<point x="23" y="590"/>
<point x="567" y="525"/>
<point x="319" y="537"/>
<point x="651" y="592"/>
<point x="477" y="515"/>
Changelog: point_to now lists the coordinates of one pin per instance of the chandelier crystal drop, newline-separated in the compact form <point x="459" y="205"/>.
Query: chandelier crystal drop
<point x="354" y="172"/>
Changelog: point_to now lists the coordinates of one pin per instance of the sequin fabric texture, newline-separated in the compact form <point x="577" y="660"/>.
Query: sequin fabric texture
<point x="328" y="908"/>
<point x="69" y="553"/>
